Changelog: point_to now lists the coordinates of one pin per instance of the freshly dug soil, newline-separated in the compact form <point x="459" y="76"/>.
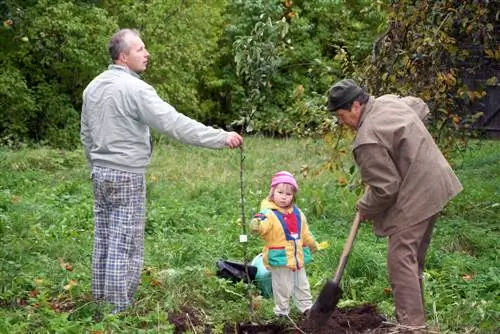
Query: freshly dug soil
<point x="362" y="319"/>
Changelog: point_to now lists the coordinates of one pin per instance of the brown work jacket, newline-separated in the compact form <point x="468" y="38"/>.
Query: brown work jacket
<point x="409" y="178"/>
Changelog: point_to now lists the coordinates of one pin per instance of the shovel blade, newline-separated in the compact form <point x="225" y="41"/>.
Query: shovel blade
<point x="324" y="306"/>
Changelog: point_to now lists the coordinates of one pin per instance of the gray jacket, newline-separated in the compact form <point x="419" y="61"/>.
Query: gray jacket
<point x="117" y="113"/>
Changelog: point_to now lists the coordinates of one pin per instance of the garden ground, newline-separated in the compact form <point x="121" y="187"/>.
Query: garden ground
<point x="194" y="218"/>
<point x="363" y="319"/>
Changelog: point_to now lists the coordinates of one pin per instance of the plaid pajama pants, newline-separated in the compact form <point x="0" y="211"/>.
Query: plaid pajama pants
<point x="118" y="255"/>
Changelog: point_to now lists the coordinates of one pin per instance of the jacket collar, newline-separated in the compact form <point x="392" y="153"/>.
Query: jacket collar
<point x="267" y="204"/>
<point x="366" y="110"/>
<point x="114" y="67"/>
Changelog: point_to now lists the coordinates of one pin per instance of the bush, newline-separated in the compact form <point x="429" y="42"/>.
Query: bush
<point x="17" y="105"/>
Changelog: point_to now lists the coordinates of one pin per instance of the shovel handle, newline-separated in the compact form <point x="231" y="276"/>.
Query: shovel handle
<point x="347" y="248"/>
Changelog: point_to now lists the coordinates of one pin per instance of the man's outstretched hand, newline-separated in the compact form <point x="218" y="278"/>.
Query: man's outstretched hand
<point x="234" y="140"/>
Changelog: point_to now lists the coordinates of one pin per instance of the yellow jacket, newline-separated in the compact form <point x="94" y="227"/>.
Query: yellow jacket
<point x="281" y="248"/>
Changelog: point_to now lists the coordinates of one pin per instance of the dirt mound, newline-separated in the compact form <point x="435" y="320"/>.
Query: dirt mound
<point x="362" y="319"/>
<point x="351" y="320"/>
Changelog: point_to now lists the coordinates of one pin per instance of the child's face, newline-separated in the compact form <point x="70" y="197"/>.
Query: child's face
<point x="283" y="195"/>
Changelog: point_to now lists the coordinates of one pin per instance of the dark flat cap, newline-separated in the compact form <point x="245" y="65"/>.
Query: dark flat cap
<point x="341" y="93"/>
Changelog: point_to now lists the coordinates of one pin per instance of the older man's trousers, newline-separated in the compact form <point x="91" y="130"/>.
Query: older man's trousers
<point x="405" y="261"/>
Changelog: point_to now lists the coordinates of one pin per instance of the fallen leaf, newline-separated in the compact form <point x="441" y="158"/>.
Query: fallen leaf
<point x="208" y="273"/>
<point x="71" y="284"/>
<point x="323" y="245"/>
<point x="156" y="283"/>
<point x="467" y="277"/>
<point x="34" y="293"/>
<point x="342" y="181"/>
<point x="148" y="271"/>
<point x="256" y="301"/>
<point x="63" y="263"/>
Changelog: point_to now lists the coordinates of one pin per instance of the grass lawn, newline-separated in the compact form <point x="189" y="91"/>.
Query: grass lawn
<point x="193" y="216"/>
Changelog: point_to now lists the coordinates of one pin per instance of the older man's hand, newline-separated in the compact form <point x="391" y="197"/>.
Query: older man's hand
<point x="234" y="140"/>
<point x="363" y="218"/>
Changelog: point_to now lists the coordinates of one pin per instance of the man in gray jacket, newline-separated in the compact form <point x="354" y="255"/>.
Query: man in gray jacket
<point x="409" y="182"/>
<point x="118" y="111"/>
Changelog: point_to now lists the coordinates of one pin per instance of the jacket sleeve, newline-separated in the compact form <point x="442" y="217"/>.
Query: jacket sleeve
<point x="85" y="137"/>
<point x="260" y="224"/>
<point x="379" y="172"/>
<point x="161" y="116"/>
<point x="308" y="239"/>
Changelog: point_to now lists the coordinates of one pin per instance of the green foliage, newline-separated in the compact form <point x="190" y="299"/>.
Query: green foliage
<point x="320" y="31"/>
<point x="427" y="51"/>
<point x="317" y="30"/>
<point x="18" y="106"/>
<point x="46" y="231"/>
<point x="56" y="49"/>
<point x="257" y="57"/>
<point x="182" y="39"/>
<point x="347" y="25"/>
<point x="52" y="49"/>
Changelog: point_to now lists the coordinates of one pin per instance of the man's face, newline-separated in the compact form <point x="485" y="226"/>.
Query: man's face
<point x="137" y="57"/>
<point x="350" y="117"/>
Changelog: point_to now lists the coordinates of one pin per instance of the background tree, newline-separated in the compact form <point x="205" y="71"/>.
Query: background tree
<point x="429" y="50"/>
<point x="257" y="57"/>
<point x="317" y="31"/>
<point x="52" y="49"/>
<point x="55" y="49"/>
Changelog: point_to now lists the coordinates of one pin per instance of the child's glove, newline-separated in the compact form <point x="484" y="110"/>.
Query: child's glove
<point x="254" y="225"/>
<point x="323" y="245"/>
<point x="255" y="222"/>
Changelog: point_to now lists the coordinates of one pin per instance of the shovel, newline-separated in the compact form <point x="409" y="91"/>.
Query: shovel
<point x="331" y="292"/>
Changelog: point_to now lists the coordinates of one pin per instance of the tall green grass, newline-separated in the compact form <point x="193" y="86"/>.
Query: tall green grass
<point x="193" y="210"/>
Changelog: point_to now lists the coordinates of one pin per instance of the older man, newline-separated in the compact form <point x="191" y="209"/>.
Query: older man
<point x="118" y="111"/>
<point x="409" y="182"/>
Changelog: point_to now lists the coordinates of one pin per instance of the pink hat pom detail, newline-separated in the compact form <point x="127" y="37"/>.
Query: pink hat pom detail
<point x="284" y="177"/>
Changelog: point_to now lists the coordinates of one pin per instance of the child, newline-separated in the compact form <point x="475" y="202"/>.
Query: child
<point x="289" y="244"/>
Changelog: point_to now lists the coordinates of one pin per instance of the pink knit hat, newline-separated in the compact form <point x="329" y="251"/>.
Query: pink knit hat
<point x="284" y="177"/>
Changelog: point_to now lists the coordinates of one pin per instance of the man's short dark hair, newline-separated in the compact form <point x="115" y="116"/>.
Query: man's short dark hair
<point x="118" y="43"/>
